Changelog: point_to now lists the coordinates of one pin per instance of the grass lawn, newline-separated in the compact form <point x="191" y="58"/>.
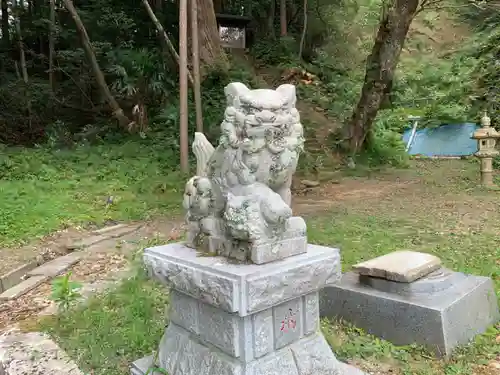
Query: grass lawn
<point x="434" y="207"/>
<point x="44" y="190"/>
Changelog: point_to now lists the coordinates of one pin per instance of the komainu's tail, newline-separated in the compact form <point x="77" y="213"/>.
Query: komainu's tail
<point x="203" y="151"/>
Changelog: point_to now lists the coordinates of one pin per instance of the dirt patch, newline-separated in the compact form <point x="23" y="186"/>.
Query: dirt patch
<point x="348" y="191"/>
<point x="102" y="264"/>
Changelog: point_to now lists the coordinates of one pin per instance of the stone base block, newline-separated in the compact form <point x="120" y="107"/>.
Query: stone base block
<point x="249" y="337"/>
<point x="440" y="311"/>
<point x="182" y="354"/>
<point x="244" y="319"/>
<point x="293" y="241"/>
<point x="243" y="288"/>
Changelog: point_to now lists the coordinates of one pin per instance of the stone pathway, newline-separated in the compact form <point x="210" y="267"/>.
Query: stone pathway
<point x="98" y="260"/>
<point x="33" y="353"/>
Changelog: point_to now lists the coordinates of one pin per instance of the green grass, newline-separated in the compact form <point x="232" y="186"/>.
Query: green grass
<point x="43" y="190"/>
<point x="113" y="330"/>
<point x="441" y="210"/>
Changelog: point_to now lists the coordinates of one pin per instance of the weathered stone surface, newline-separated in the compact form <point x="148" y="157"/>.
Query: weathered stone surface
<point x="262" y="332"/>
<point x="309" y="183"/>
<point x="22" y="288"/>
<point x="181" y="353"/>
<point x="34" y="354"/>
<point x="56" y="266"/>
<point x="440" y="311"/>
<point x="238" y="204"/>
<point x="272" y="289"/>
<point x="243" y="288"/>
<point x="116" y="230"/>
<point x="292" y="242"/>
<point x="288" y="323"/>
<point x="86" y="242"/>
<point x="311" y="313"/>
<point x="401" y="266"/>
<point x="271" y="251"/>
<point x="15" y="276"/>
<point x="247" y="337"/>
<point x="218" y="290"/>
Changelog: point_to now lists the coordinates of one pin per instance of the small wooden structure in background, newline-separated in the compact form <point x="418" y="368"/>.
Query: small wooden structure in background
<point x="234" y="31"/>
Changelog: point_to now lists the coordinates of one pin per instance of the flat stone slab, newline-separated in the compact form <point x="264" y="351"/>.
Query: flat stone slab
<point x="57" y="265"/>
<point x="87" y="242"/>
<point x="440" y="311"/>
<point x="35" y="354"/>
<point x="15" y="276"/>
<point x="401" y="266"/>
<point x="243" y="288"/>
<point x="23" y="288"/>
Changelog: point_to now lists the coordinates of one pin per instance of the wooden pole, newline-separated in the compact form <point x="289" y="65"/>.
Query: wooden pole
<point x="196" y="65"/>
<point x="183" y="85"/>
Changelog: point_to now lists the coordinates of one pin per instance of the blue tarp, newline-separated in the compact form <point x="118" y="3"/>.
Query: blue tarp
<point x="446" y="140"/>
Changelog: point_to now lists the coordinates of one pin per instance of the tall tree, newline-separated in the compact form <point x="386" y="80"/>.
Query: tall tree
<point x="283" y="21"/>
<point x="211" y="51"/>
<point x="381" y="64"/>
<point x="117" y="111"/>
<point x="5" y="24"/>
<point x="52" y="36"/>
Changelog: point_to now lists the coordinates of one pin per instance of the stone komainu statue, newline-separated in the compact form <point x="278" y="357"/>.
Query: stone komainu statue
<point x="238" y="204"/>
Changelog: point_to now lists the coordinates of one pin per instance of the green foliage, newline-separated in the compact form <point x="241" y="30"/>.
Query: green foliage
<point x="488" y="71"/>
<point x="386" y="148"/>
<point x="65" y="292"/>
<point x="282" y="52"/>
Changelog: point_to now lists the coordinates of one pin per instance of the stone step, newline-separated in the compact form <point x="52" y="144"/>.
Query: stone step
<point x="23" y="287"/>
<point x="57" y="265"/>
<point x="16" y="275"/>
<point x="103" y="234"/>
<point x="39" y="275"/>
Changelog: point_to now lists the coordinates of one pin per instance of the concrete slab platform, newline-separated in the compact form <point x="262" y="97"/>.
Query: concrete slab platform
<point x="441" y="311"/>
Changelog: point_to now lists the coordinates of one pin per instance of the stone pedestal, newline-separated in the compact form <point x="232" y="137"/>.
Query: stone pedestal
<point x="244" y="319"/>
<point x="440" y="311"/>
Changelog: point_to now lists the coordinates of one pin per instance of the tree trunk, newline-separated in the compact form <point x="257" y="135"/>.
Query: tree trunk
<point x="183" y="86"/>
<point x="22" y="61"/>
<point x="51" y="42"/>
<point x="380" y="68"/>
<point x="219" y="6"/>
<point x="5" y="24"/>
<point x="270" y="19"/>
<point x="304" y="31"/>
<point x="283" y="23"/>
<point x="211" y="52"/>
<point x="195" y="51"/>
<point x="123" y="120"/>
